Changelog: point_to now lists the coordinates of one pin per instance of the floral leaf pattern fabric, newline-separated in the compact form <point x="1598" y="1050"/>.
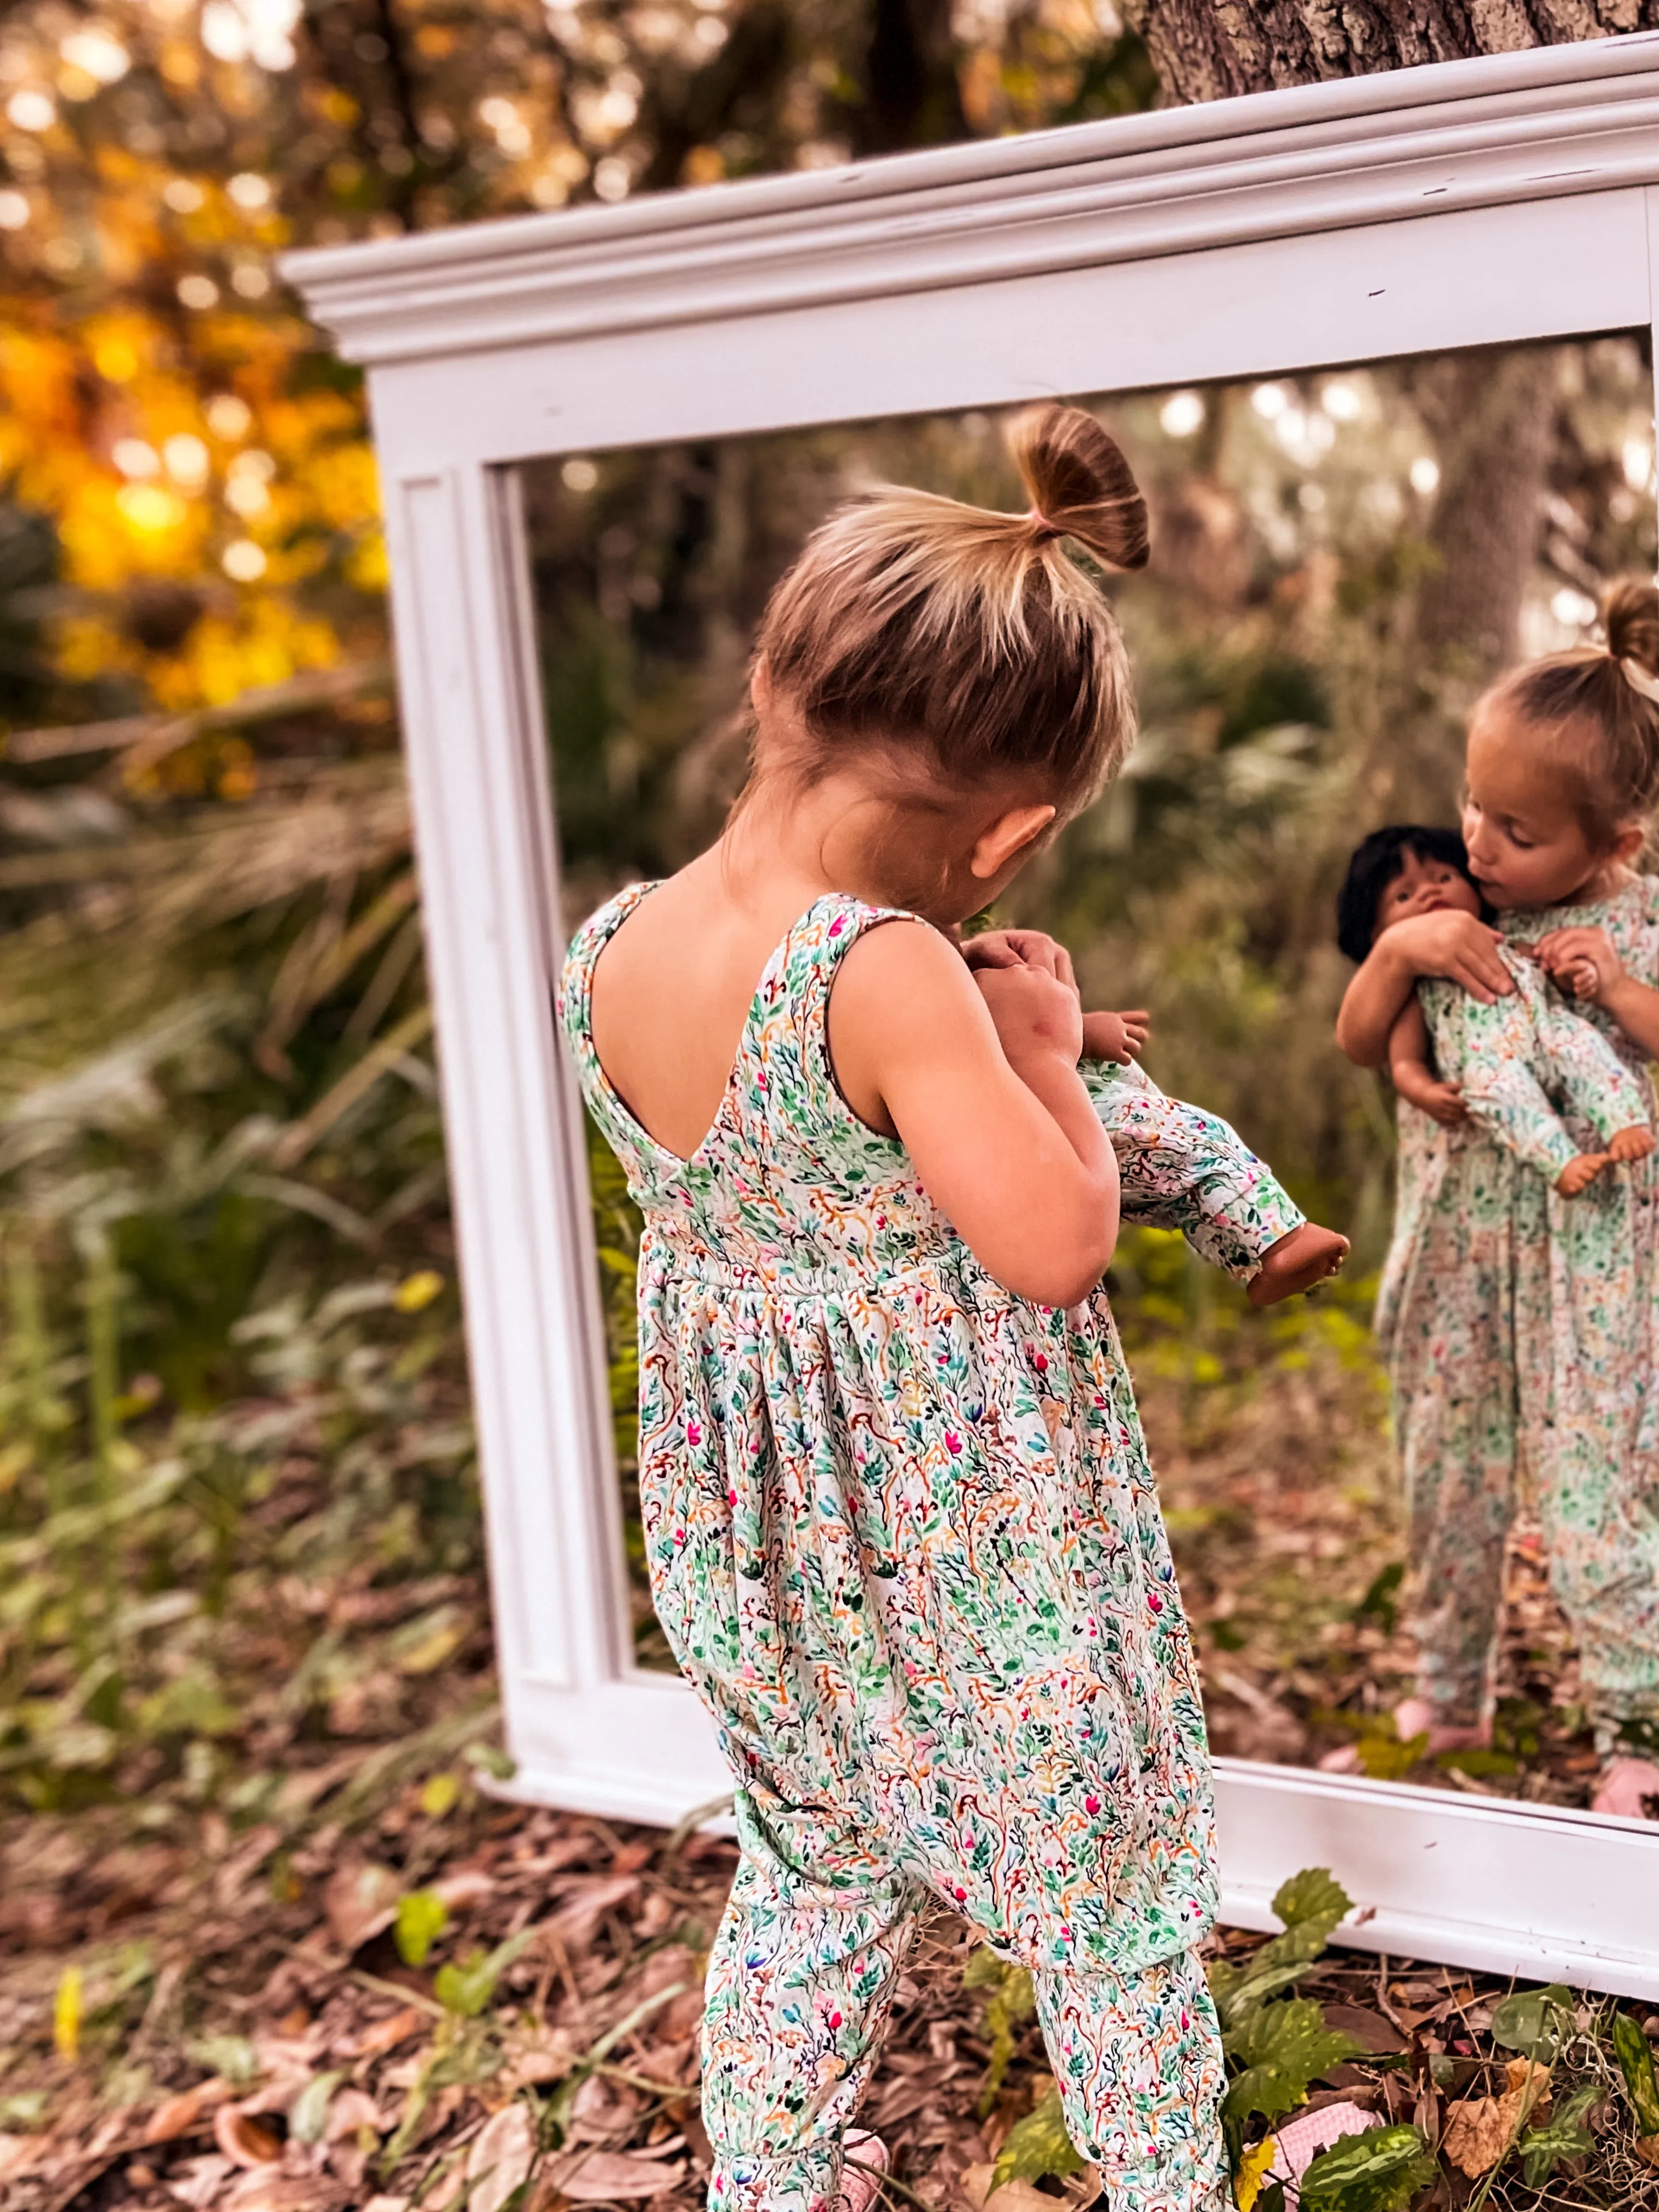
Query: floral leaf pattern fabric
<point x="1516" y="1060"/>
<point x="904" y="1542"/>
<point x="1521" y="1325"/>
<point x="1181" y="1168"/>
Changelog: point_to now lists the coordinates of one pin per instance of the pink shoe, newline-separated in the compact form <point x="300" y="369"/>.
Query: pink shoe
<point x="1627" y="1786"/>
<point x="859" y="2188"/>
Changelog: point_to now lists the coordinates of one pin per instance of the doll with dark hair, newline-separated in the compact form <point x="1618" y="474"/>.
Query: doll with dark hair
<point x="1508" y="1066"/>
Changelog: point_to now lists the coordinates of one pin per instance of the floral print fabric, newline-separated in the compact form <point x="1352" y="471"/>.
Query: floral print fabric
<point x="1181" y="1168"/>
<point x="1519" y="1328"/>
<point x="904" y="1541"/>
<point x="1514" y="1059"/>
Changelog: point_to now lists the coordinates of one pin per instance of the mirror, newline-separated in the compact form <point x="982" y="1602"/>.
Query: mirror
<point x="1341" y="561"/>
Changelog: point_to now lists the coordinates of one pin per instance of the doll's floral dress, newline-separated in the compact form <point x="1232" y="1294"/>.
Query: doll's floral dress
<point x="904" y="1542"/>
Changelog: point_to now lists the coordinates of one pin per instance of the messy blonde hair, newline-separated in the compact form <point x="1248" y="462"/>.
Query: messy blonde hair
<point x="968" y="636"/>
<point x="1600" y="707"/>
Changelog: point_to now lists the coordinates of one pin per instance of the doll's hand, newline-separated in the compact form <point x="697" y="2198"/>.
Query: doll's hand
<point x="1443" y="1101"/>
<point x="1582" y="961"/>
<point x="1115" y="1036"/>
<point x="1018" y="948"/>
<point x="1037" y="1012"/>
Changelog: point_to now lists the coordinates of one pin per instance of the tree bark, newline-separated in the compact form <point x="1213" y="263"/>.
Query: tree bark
<point x="1214" y="49"/>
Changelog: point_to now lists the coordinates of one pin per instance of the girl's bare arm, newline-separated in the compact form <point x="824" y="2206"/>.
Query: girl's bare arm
<point x="1582" y="961"/>
<point x="1000" y="1128"/>
<point x="1455" y="946"/>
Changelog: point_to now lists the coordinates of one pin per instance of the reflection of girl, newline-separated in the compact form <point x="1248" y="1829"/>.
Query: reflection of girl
<point x="901" y="1528"/>
<point x="1518" y="1323"/>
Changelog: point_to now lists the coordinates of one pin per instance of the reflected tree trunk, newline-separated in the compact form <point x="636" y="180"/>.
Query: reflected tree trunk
<point x="1214" y="49"/>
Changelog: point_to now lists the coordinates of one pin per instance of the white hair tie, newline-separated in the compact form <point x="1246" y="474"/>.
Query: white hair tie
<point x="1638" y="680"/>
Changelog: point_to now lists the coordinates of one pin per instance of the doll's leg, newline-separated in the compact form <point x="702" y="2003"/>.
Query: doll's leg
<point x="1138" y="2060"/>
<point x="800" y="1983"/>
<point x="1180" y="1168"/>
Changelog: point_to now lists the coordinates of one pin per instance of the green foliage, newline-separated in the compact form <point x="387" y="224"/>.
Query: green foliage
<point x="1281" y="2049"/>
<point x="1535" y="2022"/>
<point x="1563" y="2135"/>
<point x="1010" y="2001"/>
<point x="465" y="1989"/>
<point x="1037" y="2148"/>
<point x="1380" y="2170"/>
<point x="1310" y="1904"/>
<point x="422" y="1917"/>
<point x="1635" y="2056"/>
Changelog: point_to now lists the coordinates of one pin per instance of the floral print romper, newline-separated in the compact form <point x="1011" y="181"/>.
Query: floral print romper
<point x="904" y="1542"/>
<point x="1519" y="1328"/>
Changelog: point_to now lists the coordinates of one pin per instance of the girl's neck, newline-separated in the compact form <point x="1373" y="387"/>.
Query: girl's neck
<point x="837" y="834"/>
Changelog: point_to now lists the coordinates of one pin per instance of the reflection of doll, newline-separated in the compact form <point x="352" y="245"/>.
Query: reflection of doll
<point x="1507" y="1065"/>
<point x="1181" y="1168"/>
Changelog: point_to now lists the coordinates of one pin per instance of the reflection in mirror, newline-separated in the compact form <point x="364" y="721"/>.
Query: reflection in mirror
<point x="1340" y="563"/>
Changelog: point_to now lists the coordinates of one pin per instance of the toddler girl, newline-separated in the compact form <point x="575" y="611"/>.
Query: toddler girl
<point x="1510" y="1317"/>
<point x="1503" y="1062"/>
<point x="900" y="1525"/>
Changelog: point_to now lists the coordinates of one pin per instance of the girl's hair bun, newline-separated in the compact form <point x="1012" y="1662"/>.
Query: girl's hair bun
<point x="1629" y="615"/>
<point x="1079" y="484"/>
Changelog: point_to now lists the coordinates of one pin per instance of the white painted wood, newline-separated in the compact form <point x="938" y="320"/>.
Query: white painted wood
<point x="1480" y="203"/>
<point x="1488" y="277"/>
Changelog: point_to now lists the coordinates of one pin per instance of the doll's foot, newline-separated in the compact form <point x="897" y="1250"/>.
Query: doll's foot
<point x="1308" y="1255"/>
<point x="1630" y="1786"/>
<point x="1631" y="1143"/>
<point x="866" y="2161"/>
<point x="1579" y="1174"/>
<point x="1415" y="1716"/>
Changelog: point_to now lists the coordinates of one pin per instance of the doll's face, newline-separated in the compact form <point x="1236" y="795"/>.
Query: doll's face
<point x="1425" y="887"/>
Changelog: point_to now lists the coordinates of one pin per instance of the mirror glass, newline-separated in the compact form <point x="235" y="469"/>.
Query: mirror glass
<point x="1340" y="562"/>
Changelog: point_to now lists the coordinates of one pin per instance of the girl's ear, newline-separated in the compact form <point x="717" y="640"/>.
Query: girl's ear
<point x="760" y="684"/>
<point x="1628" y="844"/>
<point x="1007" y="837"/>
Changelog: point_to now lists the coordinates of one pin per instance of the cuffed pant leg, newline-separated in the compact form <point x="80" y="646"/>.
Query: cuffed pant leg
<point x="1138" y="2059"/>
<point x="800" y="1984"/>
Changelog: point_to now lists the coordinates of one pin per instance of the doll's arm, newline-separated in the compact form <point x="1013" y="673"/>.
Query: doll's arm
<point x="1180" y="1168"/>
<point x="1412" y="1071"/>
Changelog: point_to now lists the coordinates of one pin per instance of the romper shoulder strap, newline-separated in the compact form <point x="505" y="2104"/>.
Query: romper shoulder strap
<point x="575" y="1012"/>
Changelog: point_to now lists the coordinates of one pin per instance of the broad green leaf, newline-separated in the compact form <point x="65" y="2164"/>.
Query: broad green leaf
<point x="422" y="1917"/>
<point x="1291" y="2035"/>
<point x="308" y="2115"/>
<point x="1533" y="2021"/>
<point x="1268" y="2090"/>
<point x="1312" y="1895"/>
<point x="1237" y="1993"/>
<point x="1385" y="1758"/>
<point x="1380" y="2170"/>
<point x="232" y="2057"/>
<point x="467" y="1988"/>
<point x="1563" y="2135"/>
<point x="1635" y="2057"/>
<point x="440" y="1795"/>
<point x="1037" y="2147"/>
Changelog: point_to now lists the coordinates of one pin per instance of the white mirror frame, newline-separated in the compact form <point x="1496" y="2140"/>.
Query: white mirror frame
<point x="1469" y="203"/>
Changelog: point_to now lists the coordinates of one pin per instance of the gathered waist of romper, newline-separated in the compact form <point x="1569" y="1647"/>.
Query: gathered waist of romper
<point x="939" y="1258"/>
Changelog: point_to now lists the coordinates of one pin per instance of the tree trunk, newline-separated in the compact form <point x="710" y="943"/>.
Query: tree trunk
<point x="1213" y="49"/>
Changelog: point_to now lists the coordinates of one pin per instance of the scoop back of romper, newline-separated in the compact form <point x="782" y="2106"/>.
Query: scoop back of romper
<point x="900" y="1523"/>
